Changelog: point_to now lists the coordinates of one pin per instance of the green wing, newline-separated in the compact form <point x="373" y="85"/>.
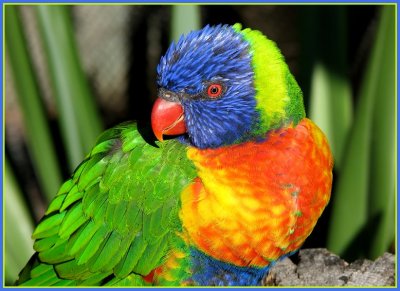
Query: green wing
<point x="117" y="216"/>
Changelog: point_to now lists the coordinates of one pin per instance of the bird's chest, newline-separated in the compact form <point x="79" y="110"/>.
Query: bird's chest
<point x="253" y="203"/>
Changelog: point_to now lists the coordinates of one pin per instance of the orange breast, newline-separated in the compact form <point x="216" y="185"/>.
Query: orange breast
<point x="257" y="201"/>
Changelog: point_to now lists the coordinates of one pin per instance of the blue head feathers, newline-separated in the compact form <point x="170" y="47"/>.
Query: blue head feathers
<point x="210" y="72"/>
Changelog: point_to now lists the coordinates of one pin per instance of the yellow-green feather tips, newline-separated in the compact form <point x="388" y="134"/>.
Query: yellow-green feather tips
<point x="295" y="108"/>
<point x="279" y="98"/>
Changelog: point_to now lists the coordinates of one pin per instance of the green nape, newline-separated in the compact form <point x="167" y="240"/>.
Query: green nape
<point x="279" y="97"/>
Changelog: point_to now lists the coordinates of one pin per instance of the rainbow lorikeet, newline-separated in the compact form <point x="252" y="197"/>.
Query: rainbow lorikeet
<point x="240" y="184"/>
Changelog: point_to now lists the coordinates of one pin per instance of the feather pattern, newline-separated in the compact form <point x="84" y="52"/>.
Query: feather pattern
<point x="278" y="208"/>
<point x="218" y="205"/>
<point x="105" y="219"/>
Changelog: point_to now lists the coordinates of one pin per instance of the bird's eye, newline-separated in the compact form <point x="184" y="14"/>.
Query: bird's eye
<point x="214" y="90"/>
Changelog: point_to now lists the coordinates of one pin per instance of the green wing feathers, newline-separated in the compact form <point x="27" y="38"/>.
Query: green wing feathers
<point x="116" y="218"/>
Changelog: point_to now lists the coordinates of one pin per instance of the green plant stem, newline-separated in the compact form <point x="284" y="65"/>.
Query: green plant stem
<point x="80" y="123"/>
<point x="184" y="18"/>
<point x="39" y="140"/>
<point x="382" y="179"/>
<point x="357" y="204"/>
<point x="18" y="228"/>
<point x="330" y="96"/>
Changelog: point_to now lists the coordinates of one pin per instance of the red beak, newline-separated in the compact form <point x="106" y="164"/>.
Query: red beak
<point x="167" y="119"/>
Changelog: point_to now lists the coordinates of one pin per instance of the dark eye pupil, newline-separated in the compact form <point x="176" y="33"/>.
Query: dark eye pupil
<point x="214" y="90"/>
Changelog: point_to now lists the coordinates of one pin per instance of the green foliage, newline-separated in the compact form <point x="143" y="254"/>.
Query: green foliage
<point x="330" y="100"/>
<point x="184" y="18"/>
<point x="80" y="123"/>
<point x="38" y="133"/>
<point x="18" y="242"/>
<point x="363" y="203"/>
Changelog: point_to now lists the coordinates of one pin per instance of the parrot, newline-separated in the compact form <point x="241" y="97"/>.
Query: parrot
<point x="229" y="177"/>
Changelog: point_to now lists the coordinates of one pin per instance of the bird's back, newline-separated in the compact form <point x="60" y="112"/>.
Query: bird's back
<point x="114" y="221"/>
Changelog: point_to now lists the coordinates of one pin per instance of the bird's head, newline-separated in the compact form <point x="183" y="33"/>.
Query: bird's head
<point x="223" y="85"/>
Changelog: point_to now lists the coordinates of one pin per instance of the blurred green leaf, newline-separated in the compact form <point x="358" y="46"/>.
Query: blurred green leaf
<point x="382" y="180"/>
<point x="184" y="18"/>
<point x="18" y="228"/>
<point x="80" y="123"/>
<point x="40" y="144"/>
<point x="330" y="101"/>
<point x="331" y="107"/>
<point x="365" y="185"/>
